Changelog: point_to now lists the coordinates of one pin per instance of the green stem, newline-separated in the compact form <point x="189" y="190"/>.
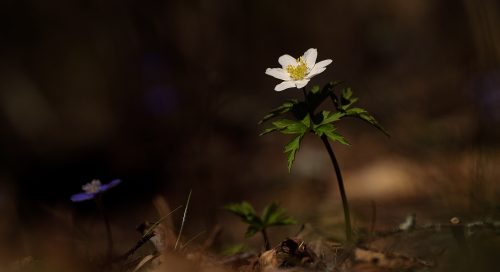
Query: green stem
<point x="340" y="181"/>
<point x="266" y="239"/>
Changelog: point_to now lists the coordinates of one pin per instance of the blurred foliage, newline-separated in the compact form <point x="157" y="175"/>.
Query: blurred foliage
<point x="272" y="215"/>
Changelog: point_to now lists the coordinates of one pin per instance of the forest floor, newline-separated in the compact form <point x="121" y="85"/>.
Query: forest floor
<point x="452" y="246"/>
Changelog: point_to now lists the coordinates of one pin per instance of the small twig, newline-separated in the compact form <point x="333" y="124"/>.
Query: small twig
<point x="147" y="235"/>
<point x="163" y="208"/>
<point x="216" y="231"/>
<point x="192" y="239"/>
<point x="183" y="220"/>
<point x="155" y="224"/>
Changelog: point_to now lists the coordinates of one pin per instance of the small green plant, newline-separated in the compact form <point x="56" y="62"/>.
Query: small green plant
<point x="272" y="215"/>
<point x="234" y="249"/>
<point x="296" y="73"/>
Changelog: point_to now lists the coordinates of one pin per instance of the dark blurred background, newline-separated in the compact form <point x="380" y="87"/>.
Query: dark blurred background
<point x="166" y="95"/>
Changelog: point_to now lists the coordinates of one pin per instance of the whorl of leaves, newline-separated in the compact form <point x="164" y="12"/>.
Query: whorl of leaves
<point x="305" y="118"/>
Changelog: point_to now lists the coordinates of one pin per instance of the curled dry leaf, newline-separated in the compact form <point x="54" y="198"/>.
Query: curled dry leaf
<point x="291" y="253"/>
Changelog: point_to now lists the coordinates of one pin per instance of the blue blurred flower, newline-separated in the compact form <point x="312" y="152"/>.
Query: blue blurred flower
<point x="93" y="188"/>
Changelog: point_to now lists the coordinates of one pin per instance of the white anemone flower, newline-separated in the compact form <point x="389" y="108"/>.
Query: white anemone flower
<point x="297" y="72"/>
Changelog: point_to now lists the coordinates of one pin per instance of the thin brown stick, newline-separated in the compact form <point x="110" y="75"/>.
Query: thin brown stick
<point x="183" y="221"/>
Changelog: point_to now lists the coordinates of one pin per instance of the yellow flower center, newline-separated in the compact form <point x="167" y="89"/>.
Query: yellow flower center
<point x="299" y="71"/>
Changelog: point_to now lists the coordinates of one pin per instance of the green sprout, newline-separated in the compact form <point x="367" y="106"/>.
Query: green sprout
<point x="272" y="215"/>
<point x="307" y="118"/>
<point x="234" y="249"/>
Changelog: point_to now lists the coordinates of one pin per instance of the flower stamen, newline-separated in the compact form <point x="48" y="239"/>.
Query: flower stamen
<point x="93" y="187"/>
<point x="299" y="71"/>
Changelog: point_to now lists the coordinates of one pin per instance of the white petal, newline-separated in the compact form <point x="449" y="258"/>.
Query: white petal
<point x="310" y="57"/>
<point x="301" y="83"/>
<point x="286" y="60"/>
<point x="315" y="71"/>
<point x="323" y="63"/>
<point x="319" y="67"/>
<point x="278" y="73"/>
<point x="284" y="85"/>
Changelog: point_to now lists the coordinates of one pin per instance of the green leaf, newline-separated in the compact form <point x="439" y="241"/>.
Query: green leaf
<point x="347" y="93"/>
<point x="286" y="107"/>
<point x="291" y="149"/>
<point x="242" y="208"/>
<point x="346" y="99"/>
<point x="269" y="213"/>
<point x="273" y="215"/>
<point x="306" y="122"/>
<point x="316" y="96"/>
<point x="283" y="123"/>
<point x="336" y="137"/>
<point x="294" y="127"/>
<point x="268" y="130"/>
<point x="329" y="131"/>
<point x="365" y="116"/>
<point x="332" y="84"/>
<point x="287" y="126"/>
<point x="329" y="117"/>
<point x="300" y="110"/>
<point x="329" y="90"/>
<point x="253" y="229"/>
<point x="245" y="211"/>
<point x="315" y="89"/>
<point x="234" y="249"/>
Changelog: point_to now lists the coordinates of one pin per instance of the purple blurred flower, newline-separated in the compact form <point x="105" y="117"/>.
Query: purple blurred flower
<point x="93" y="188"/>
